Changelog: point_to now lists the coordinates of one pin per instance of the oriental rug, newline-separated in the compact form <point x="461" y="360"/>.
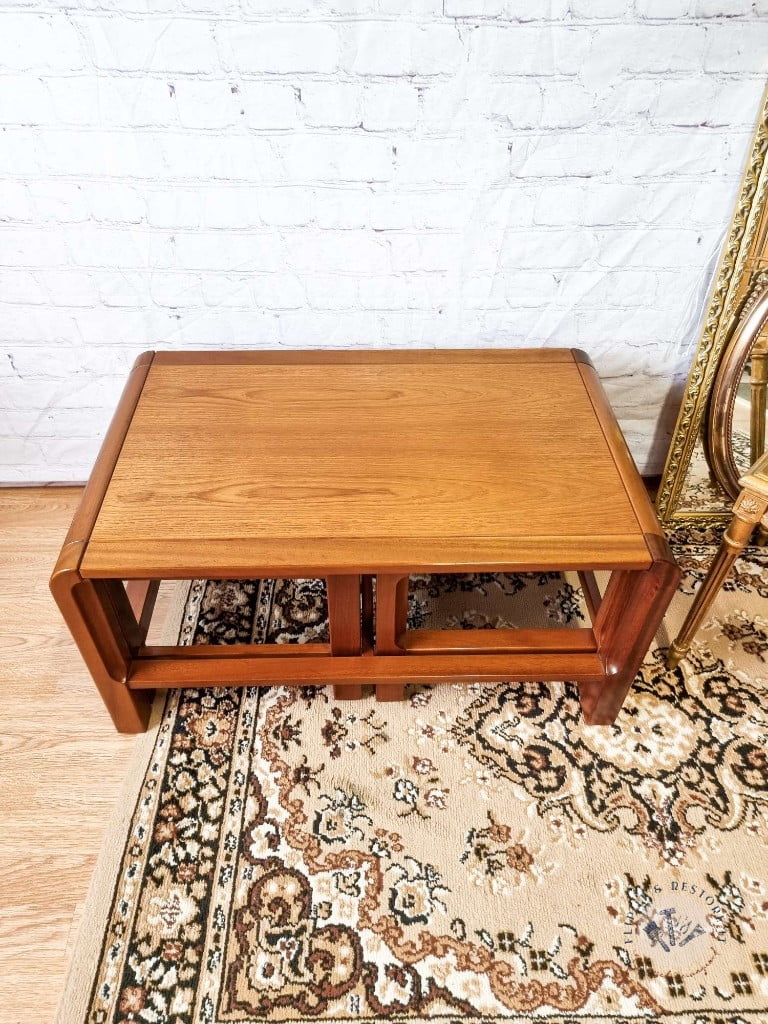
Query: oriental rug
<point x="472" y="853"/>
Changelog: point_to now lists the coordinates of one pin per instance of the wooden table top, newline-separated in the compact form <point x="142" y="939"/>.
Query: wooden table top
<point x="261" y="463"/>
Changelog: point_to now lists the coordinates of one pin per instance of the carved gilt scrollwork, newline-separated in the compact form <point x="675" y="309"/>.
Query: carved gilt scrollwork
<point x="719" y="321"/>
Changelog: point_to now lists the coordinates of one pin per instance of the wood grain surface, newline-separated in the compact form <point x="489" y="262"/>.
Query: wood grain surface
<point x="363" y="463"/>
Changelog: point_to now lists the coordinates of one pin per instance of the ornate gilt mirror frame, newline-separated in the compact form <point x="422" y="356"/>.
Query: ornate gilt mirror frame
<point x="735" y="315"/>
<point x="747" y="340"/>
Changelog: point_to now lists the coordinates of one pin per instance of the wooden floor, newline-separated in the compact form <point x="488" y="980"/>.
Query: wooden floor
<point x="61" y="762"/>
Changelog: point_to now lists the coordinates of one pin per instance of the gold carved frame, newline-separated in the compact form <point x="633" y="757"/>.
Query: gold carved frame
<point x="743" y="256"/>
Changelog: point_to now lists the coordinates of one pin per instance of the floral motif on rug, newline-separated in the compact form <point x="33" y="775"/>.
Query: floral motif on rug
<point x="472" y="852"/>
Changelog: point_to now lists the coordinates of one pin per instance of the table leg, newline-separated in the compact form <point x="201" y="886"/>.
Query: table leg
<point x="733" y="543"/>
<point x="391" y="622"/>
<point x="93" y="619"/>
<point x="630" y="613"/>
<point x="344" y="621"/>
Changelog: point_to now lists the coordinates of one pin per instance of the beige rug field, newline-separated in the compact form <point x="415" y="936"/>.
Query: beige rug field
<point x="474" y="852"/>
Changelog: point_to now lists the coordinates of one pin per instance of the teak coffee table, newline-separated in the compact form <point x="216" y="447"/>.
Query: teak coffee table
<point x="355" y="465"/>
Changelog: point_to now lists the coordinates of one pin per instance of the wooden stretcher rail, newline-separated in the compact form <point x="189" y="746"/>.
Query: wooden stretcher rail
<point x="172" y="671"/>
<point x="591" y="591"/>
<point x="228" y="651"/>
<point x="498" y="641"/>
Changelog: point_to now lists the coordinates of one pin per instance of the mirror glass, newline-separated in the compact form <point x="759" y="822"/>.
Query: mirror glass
<point x="701" y="492"/>
<point x="749" y="411"/>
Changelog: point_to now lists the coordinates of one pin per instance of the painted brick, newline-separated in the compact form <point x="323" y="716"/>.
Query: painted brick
<point x="287" y="206"/>
<point x="525" y="11"/>
<point x="15" y="201"/>
<point x="21" y="153"/>
<point x="473" y="8"/>
<point x="391" y="211"/>
<point x="282" y="48"/>
<point x="337" y="252"/>
<point x="528" y="50"/>
<point x="517" y="104"/>
<point x="331" y="105"/>
<point x="231" y="157"/>
<point x="25" y="99"/>
<point x="691" y="102"/>
<point x="223" y="173"/>
<point x="202" y="103"/>
<point x="643" y="49"/>
<point x="33" y="247"/>
<point x="342" y="208"/>
<point x="390" y="105"/>
<point x="115" y="202"/>
<point x="722" y="8"/>
<point x="175" y="208"/>
<point x="21" y="287"/>
<point x="229" y="290"/>
<point x="747" y="46"/>
<point x="563" y="155"/>
<point x="70" y="287"/>
<point x="267" y="104"/>
<point x="332" y="158"/>
<point x="233" y="208"/>
<point x="172" y="46"/>
<point x="664" y="9"/>
<point x="268" y="292"/>
<point x="392" y="49"/>
<point x="38" y="41"/>
<point x="332" y="291"/>
<point x="586" y="10"/>
<point x="218" y="250"/>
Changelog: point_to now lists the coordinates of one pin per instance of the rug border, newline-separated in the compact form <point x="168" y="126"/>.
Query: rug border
<point x="86" y="951"/>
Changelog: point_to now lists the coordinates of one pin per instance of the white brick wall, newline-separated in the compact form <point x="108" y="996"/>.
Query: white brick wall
<point x="359" y="173"/>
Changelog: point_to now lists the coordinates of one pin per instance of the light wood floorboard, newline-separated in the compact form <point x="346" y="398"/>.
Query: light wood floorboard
<point x="61" y="762"/>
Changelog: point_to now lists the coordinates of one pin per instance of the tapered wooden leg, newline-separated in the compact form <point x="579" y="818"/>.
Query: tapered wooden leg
<point x="391" y="623"/>
<point x="89" y="610"/>
<point x="734" y="541"/>
<point x="344" y="622"/>
<point x="629" y="615"/>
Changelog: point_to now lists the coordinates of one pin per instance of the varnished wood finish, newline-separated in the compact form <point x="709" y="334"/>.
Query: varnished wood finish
<point x="376" y="464"/>
<point x="617" y="445"/>
<point x="392" y="670"/>
<point x="96" y="629"/>
<point x="230" y="651"/>
<point x="93" y="494"/>
<point x="347" y="465"/>
<point x="305" y="556"/>
<point x="591" y="592"/>
<point x="369" y="357"/>
<point x="629" y="615"/>
<point x="89" y="606"/>
<point x="142" y="597"/>
<point x="344" y="610"/>
<point x="499" y="641"/>
<point x="391" y="619"/>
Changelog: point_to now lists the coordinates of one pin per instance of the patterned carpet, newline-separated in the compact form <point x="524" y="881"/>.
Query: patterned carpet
<point x="474" y="852"/>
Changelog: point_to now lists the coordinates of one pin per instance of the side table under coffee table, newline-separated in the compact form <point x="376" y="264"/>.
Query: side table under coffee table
<point x="355" y="465"/>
